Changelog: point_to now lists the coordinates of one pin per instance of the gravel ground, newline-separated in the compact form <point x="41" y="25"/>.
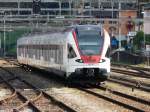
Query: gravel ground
<point x="80" y="101"/>
<point x="84" y="102"/>
<point x="4" y="92"/>
<point x="123" y="100"/>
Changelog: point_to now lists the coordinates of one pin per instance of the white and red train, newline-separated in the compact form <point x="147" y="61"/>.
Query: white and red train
<point x="78" y="52"/>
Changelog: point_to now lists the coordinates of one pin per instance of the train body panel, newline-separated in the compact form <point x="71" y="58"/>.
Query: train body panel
<point x="43" y="51"/>
<point x="78" y="50"/>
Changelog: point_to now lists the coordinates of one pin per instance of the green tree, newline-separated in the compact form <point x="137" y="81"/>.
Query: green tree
<point x="147" y="38"/>
<point x="138" y="39"/>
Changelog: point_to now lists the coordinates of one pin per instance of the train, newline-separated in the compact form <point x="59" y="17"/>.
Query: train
<point x="79" y="52"/>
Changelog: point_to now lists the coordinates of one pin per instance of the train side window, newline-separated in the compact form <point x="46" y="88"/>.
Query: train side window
<point x="108" y="52"/>
<point x="42" y="52"/>
<point x="32" y="51"/>
<point x="35" y="54"/>
<point x="25" y="55"/>
<point x="60" y="56"/>
<point x="38" y="51"/>
<point x="48" y="53"/>
<point x="23" y="51"/>
<point x="28" y="51"/>
<point x="19" y="50"/>
<point x="71" y="52"/>
<point x="45" y="52"/>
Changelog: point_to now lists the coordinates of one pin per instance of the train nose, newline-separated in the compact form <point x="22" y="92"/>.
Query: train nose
<point x="90" y="72"/>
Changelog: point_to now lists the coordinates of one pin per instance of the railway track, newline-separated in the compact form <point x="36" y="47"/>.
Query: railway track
<point x="127" y="101"/>
<point x="26" y="96"/>
<point x="129" y="82"/>
<point x="127" y="72"/>
<point x="132" y="67"/>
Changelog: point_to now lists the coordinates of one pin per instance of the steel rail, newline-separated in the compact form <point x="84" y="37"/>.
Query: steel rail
<point x="118" y="102"/>
<point x="132" y="67"/>
<point x="130" y="84"/>
<point x="136" y="82"/>
<point x="137" y="74"/>
<point x="54" y="101"/>
<point x="8" y="97"/>
<point x="127" y="106"/>
<point x="140" y="100"/>
<point x="26" y="101"/>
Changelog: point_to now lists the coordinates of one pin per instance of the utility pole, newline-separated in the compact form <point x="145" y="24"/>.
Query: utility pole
<point x="119" y="28"/>
<point x="112" y="5"/>
<point x="4" y="35"/>
<point x="0" y="42"/>
<point x="82" y="7"/>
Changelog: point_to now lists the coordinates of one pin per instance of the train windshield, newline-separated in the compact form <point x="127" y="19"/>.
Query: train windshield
<point x="90" y="40"/>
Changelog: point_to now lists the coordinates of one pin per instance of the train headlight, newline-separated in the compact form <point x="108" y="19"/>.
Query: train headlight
<point x="102" y="60"/>
<point x="79" y="60"/>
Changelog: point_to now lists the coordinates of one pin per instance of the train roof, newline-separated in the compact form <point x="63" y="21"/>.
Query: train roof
<point x="85" y="27"/>
<point x="53" y="37"/>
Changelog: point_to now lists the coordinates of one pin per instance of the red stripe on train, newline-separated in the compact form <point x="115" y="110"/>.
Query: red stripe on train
<point x="76" y="41"/>
<point x="90" y="59"/>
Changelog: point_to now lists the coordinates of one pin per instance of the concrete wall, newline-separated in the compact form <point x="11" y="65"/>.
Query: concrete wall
<point x="124" y="18"/>
<point x="147" y="21"/>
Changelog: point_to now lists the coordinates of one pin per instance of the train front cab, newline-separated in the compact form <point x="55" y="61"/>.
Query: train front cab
<point x="85" y="60"/>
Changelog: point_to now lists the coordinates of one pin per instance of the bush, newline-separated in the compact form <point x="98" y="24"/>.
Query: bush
<point x="138" y="39"/>
<point x="147" y="39"/>
<point x="11" y="39"/>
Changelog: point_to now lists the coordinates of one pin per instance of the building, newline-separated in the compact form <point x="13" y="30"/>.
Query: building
<point x="117" y="16"/>
<point x="147" y="19"/>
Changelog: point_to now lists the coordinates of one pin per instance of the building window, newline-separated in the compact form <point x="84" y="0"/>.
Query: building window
<point x="49" y="5"/>
<point x="8" y="5"/>
<point x="65" y="5"/>
<point x="26" y="5"/>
